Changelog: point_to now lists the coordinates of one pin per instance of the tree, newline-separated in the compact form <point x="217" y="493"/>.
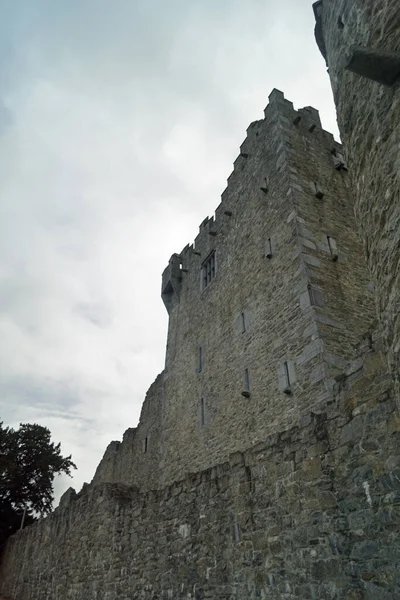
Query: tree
<point x="29" y="461"/>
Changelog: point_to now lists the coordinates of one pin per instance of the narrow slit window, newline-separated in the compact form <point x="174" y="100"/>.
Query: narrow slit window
<point x="202" y="413"/>
<point x="243" y="322"/>
<point x="287" y="376"/>
<point x="200" y="359"/>
<point x="246" y="384"/>
<point x="246" y="380"/>
<point x="145" y="444"/>
<point x="208" y="270"/>
<point x="269" y="248"/>
<point x="288" y="384"/>
<point x="311" y="296"/>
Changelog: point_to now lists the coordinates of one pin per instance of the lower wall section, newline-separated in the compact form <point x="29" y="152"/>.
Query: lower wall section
<point x="311" y="513"/>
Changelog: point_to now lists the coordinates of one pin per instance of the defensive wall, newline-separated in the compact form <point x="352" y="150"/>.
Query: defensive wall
<point x="290" y="286"/>
<point x="312" y="512"/>
<point x="284" y="483"/>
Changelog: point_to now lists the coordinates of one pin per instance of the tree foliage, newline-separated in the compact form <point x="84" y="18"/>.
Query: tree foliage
<point x="29" y="461"/>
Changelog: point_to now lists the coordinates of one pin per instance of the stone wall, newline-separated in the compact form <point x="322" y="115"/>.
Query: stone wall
<point x="284" y="231"/>
<point x="136" y="460"/>
<point x="312" y="512"/>
<point x="358" y="34"/>
<point x="286" y="152"/>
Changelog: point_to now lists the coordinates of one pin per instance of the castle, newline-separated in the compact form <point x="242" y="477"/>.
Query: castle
<point x="266" y="462"/>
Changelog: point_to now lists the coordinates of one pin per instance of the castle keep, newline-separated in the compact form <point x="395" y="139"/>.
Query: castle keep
<point x="265" y="463"/>
<point x="264" y="308"/>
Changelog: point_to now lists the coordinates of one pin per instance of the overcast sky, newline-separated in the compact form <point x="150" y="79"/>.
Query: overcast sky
<point x="119" y="124"/>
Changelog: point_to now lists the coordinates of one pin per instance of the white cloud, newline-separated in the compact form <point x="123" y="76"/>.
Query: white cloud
<point x="119" y="126"/>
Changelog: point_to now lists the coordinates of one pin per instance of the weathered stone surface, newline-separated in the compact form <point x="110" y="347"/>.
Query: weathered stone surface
<point x="365" y="34"/>
<point x="273" y="522"/>
<point x="257" y="313"/>
<point x="294" y="492"/>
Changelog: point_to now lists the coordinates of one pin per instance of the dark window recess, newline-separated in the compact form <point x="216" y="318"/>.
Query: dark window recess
<point x="287" y="389"/>
<point x="311" y="295"/>
<point x="332" y="248"/>
<point x="145" y="444"/>
<point x="208" y="270"/>
<point x="202" y="413"/>
<point x="200" y="359"/>
<point x="268" y="249"/>
<point x="243" y="322"/>
<point x="246" y="384"/>
<point x="287" y="376"/>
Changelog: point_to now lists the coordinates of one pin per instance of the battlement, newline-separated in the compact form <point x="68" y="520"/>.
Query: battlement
<point x="264" y="285"/>
<point x="279" y="112"/>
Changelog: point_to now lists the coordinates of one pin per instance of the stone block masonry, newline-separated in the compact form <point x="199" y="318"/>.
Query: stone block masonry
<point x="274" y="294"/>
<point x="360" y="40"/>
<point x="311" y="512"/>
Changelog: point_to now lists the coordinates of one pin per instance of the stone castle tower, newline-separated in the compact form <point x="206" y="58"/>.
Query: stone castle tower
<point x="265" y="464"/>
<point x="264" y="308"/>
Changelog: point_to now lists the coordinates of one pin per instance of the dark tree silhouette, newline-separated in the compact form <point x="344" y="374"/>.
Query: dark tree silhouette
<point x="29" y="461"/>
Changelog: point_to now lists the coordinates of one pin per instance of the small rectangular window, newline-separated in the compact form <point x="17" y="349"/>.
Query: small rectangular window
<point x="246" y="384"/>
<point x="202" y="413"/>
<point x="208" y="270"/>
<point x="246" y="380"/>
<point x="200" y="359"/>
<point x="311" y="296"/>
<point x="243" y="322"/>
<point x="288" y="383"/>
<point x="287" y="376"/>
<point x="145" y="444"/>
<point x="268" y="249"/>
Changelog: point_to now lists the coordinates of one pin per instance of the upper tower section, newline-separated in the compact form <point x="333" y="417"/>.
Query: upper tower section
<point x="265" y="306"/>
<point x="360" y="41"/>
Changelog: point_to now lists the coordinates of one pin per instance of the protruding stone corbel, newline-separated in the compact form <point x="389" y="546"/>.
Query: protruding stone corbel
<point x="375" y="64"/>
<point x="171" y="282"/>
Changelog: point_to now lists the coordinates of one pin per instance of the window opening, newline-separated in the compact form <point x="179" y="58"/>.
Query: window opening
<point x="200" y="360"/>
<point x="287" y="389"/>
<point x="311" y="296"/>
<point x="145" y="444"/>
<point x="269" y="248"/>
<point x="202" y="412"/>
<point x="208" y="270"/>
<point x="246" y="384"/>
